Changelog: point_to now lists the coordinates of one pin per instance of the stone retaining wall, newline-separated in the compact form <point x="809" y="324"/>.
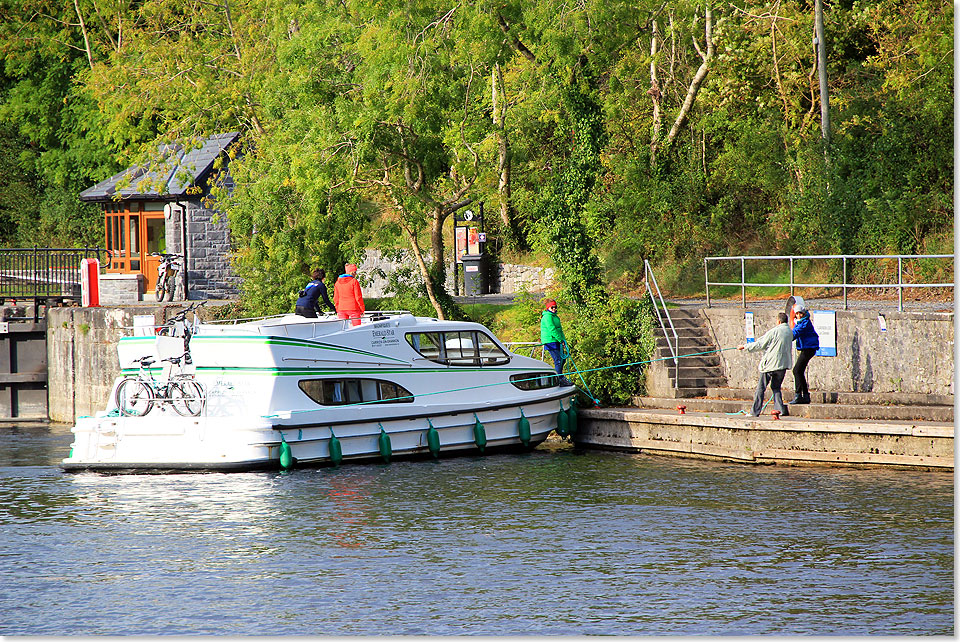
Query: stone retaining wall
<point x="914" y="355"/>
<point x="505" y="278"/>
<point x="764" y="441"/>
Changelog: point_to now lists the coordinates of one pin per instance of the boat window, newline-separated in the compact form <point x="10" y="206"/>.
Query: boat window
<point x="535" y="380"/>
<point x="458" y="348"/>
<point x="340" y="392"/>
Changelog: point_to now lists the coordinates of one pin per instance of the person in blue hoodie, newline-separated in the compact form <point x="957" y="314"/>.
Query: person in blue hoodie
<point x="808" y="342"/>
<point x="309" y="302"/>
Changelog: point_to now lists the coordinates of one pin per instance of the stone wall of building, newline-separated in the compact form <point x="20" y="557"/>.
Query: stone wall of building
<point x="209" y="274"/>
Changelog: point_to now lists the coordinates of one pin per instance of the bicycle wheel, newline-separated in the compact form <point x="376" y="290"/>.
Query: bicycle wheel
<point x="171" y="284"/>
<point x="161" y="290"/>
<point x="134" y="398"/>
<point x="186" y="397"/>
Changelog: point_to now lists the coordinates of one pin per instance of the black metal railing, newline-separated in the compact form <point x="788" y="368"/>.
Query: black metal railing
<point x="42" y="275"/>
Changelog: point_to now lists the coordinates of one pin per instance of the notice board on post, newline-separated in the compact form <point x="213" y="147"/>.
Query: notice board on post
<point x="825" y="323"/>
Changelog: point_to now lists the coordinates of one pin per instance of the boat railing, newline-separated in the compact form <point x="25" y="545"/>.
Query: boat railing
<point x="371" y="316"/>
<point x="524" y="347"/>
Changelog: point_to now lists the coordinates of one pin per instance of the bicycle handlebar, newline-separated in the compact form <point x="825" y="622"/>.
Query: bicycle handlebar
<point x="182" y="314"/>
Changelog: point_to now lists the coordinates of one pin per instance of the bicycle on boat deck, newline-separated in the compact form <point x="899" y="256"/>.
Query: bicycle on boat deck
<point x="136" y="396"/>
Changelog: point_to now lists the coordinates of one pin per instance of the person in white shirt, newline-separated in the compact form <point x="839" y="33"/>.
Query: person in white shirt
<point x="777" y="344"/>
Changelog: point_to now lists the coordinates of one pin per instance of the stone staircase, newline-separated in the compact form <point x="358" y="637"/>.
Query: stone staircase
<point x="695" y="374"/>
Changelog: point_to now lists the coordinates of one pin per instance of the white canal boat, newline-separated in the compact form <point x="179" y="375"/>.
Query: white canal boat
<point x="290" y="391"/>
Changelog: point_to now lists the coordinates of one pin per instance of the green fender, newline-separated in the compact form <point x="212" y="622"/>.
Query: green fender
<point x="336" y="452"/>
<point x="523" y="430"/>
<point x="386" y="448"/>
<point x="433" y="440"/>
<point x="479" y="434"/>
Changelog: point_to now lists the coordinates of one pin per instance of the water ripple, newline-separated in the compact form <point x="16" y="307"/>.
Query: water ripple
<point x="551" y="543"/>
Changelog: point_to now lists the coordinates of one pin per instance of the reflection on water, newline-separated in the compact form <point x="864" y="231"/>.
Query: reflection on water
<point x="555" y="542"/>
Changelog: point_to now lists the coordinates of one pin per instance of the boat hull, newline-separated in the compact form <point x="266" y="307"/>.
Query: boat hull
<point x="157" y="443"/>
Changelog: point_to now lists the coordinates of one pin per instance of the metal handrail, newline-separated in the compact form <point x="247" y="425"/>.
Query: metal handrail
<point x="900" y="285"/>
<point x="648" y="272"/>
<point x="41" y="274"/>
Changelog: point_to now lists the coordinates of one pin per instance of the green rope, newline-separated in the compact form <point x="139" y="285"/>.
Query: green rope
<point x="501" y="383"/>
<point x="596" y="402"/>
<point x="743" y="412"/>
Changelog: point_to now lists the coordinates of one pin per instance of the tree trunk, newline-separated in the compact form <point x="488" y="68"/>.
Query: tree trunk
<point x="437" y="218"/>
<point x="697" y="80"/>
<point x="83" y="29"/>
<point x="424" y="271"/>
<point x="821" y="47"/>
<point x="503" y="149"/>
<point x="655" y="96"/>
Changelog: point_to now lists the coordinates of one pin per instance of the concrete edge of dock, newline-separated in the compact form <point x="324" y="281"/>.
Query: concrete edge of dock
<point x="765" y="440"/>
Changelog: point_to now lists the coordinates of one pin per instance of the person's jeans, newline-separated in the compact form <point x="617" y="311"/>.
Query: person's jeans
<point x="304" y="312"/>
<point x="799" y="373"/>
<point x="556" y="353"/>
<point x="774" y="379"/>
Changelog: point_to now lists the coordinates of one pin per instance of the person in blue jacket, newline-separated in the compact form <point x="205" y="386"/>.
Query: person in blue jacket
<point x="808" y="342"/>
<point x="309" y="302"/>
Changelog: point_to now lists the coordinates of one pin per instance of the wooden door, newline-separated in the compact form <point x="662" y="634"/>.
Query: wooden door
<point x="133" y="231"/>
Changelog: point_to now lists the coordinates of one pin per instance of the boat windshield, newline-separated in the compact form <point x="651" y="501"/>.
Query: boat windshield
<point x="458" y="348"/>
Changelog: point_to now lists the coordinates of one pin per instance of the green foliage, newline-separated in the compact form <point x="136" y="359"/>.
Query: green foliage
<point x="563" y="203"/>
<point x="617" y="333"/>
<point x="362" y="114"/>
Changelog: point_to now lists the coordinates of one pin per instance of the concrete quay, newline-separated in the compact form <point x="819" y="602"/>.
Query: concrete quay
<point x="793" y="440"/>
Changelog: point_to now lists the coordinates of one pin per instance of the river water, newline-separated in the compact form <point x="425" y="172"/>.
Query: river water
<point x="561" y="541"/>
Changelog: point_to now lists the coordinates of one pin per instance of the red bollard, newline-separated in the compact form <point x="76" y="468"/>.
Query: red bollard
<point x="682" y="409"/>
<point x="776" y="415"/>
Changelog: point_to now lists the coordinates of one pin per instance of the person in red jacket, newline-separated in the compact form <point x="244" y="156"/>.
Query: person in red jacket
<point x="347" y="296"/>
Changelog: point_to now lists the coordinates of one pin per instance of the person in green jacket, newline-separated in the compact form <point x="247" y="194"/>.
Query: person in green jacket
<point x="551" y="336"/>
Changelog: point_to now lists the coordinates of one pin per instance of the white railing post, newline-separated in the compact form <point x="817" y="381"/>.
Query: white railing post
<point x="900" y="280"/>
<point x="743" y="283"/>
<point x="791" y="276"/>
<point x="706" y="280"/>
<point x="844" y="283"/>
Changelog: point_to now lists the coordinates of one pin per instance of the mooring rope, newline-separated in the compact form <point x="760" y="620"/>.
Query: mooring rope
<point x="501" y="383"/>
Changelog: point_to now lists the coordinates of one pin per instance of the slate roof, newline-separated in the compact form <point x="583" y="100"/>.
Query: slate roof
<point x="168" y="179"/>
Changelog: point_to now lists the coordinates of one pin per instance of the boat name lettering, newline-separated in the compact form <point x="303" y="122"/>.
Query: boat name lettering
<point x="383" y="333"/>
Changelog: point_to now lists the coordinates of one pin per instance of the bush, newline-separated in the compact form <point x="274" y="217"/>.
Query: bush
<point x="608" y="336"/>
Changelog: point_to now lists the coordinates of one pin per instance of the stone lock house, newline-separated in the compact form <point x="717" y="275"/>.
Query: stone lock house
<point x="163" y="207"/>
